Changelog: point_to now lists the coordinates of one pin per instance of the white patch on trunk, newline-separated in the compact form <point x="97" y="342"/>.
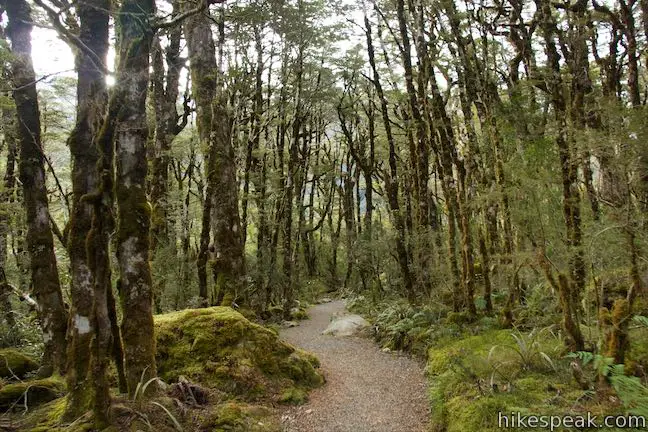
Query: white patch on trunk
<point x="130" y="259"/>
<point x="47" y="336"/>
<point x="42" y="217"/>
<point x="82" y="324"/>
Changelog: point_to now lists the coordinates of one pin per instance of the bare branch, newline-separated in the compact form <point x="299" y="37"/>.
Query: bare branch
<point x="71" y="38"/>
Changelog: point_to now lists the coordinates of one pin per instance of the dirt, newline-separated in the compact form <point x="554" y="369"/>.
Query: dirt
<point x="367" y="390"/>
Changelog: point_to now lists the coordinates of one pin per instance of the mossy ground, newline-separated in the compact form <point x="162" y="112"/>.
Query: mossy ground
<point x="26" y="394"/>
<point x="239" y="417"/>
<point x="244" y="369"/>
<point x="14" y="363"/>
<point x="476" y="377"/>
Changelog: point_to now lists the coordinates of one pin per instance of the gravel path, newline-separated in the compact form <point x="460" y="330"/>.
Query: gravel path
<point x="366" y="389"/>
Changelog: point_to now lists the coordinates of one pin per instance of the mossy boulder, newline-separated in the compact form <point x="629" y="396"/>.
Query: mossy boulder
<point x="14" y="363"/>
<point x="219" y="348"/>
<point x="239" y="417"/>
<point x="31" y="393"/>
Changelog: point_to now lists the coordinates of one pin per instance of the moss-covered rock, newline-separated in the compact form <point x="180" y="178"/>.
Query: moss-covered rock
<point x="239" y="417"/>
<point x="14" y="363"/>
<point x="293" y="396"/>
<point x="31" y="393"/>
<point x="219" y="348"/>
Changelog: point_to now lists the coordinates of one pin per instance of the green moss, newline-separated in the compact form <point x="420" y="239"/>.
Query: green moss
<point x="48" y="417"/>
<point x="31" y="393"/>
<point x="475" y="378"/>
<point x="293" y="396"/>
<point x="299" y="314"/>
<point x="13" y="362"/>
<point x="441" y="355"/>
<point x="239" y="417"/>
<point x="458" y="318"/>
<point x="219" y="348"/>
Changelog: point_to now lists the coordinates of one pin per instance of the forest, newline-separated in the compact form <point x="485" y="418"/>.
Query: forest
<point x="193" y="190"/>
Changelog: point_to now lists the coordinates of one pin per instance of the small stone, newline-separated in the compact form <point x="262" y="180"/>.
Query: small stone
<point x="308" y="411"/>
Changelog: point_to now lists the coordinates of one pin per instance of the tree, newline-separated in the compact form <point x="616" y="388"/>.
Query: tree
<point x="134" y="211"/>
<point x="40" y="241"/>
<point x="91" y="104"/>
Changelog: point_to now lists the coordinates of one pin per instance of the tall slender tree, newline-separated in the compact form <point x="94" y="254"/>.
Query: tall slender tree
<point x="40" y="241"/>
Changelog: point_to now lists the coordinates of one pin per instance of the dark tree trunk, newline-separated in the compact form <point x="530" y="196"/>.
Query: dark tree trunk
<point x="391" y="177"/>
<point x="91" y="104"/>
<point x="571" y="287"/>
<point x="202" y="58"/>
<point x="40" y="241"/>
<point x="6" y="200"/>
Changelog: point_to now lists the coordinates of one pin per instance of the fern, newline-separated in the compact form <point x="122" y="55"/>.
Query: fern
<point x="641" y="320"/>
<point x="632" y="393"/>
<point x="584" y="356"/>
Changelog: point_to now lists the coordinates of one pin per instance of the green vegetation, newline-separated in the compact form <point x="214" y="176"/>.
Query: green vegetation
<point x="15" y="364"/>
<point x="473" y="174"/>
<point x="219" y="348"/>
<point x="225" y="368"/>
<point x="239" y="417"/>
<point x="31" y="393"/>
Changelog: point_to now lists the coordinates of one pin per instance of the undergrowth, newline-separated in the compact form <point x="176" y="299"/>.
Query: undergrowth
<point x="478" y="369"/>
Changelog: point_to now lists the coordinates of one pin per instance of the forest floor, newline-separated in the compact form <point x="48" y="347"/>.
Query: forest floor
<point x="366" y="390"/>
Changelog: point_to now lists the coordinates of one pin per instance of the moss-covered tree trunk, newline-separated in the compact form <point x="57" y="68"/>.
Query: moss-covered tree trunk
<point x="40" y="242"/>
<point x="571" y="287"/>
<point x="203" y="70"/>
<point x="220" y="212"/>
<point x="168" y="124"/>
<point x="6" y="200"/>
<point x="391" y="176"/>
<point x="135" y="37"/>
<point x="228" y="266"/>
<point x="91" y="102"/>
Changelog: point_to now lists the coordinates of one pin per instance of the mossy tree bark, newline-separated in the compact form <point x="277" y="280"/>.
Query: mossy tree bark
<point x="220" y="212"/>
<point x="6" y="200"/>
<point x="91" y="103"/>
<point x="228" y="265"/>
<point x="168" y="124"/>
<point x="391" y="176"/>
<point x="570" y="288"/>
<point x="204" y="73"/>
<point x="134" y="216"/>
<point x="40" y="242"/>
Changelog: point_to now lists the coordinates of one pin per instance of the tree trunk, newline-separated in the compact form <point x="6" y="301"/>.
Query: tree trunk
<point x="134" y="216"/>
<point x="40" y="242"/>
<point x="91" y="103"/>
<point x="6" y="200"/>
<point x="203" y="70"/>
<point x="570" y="288"/>
<point x="391" y="177"/>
